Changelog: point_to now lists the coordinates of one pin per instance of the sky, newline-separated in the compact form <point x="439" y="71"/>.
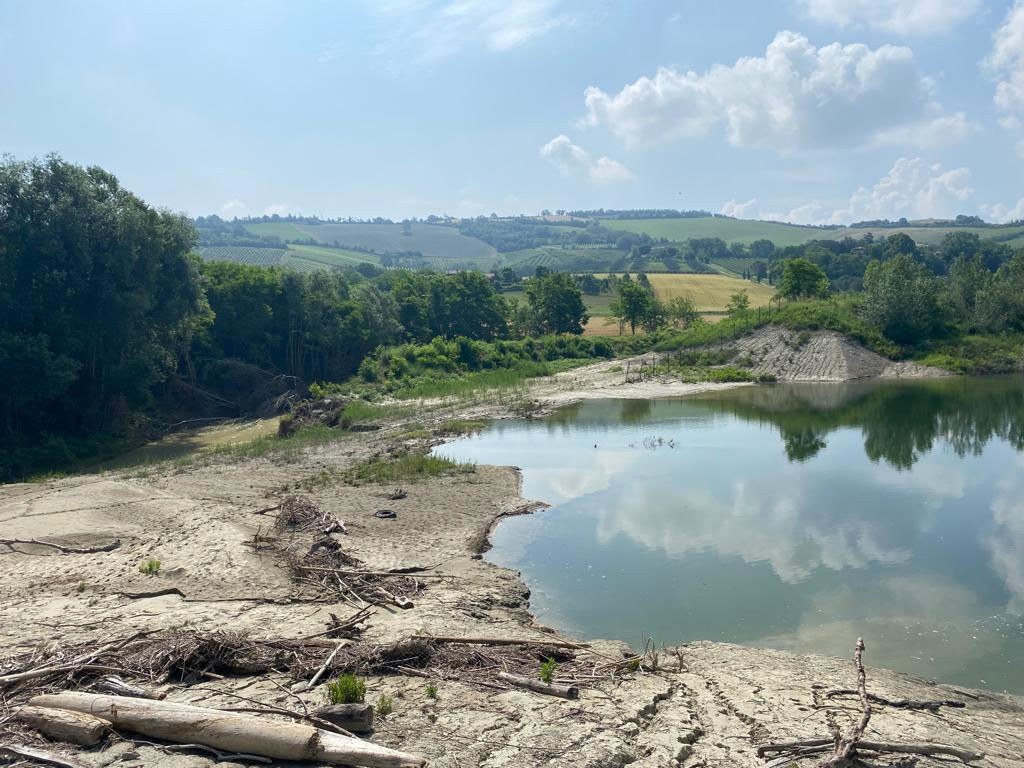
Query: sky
<point x="811" y="111"/>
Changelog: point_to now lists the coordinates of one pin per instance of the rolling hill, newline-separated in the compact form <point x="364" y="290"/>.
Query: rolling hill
<point x="747" y="231"/>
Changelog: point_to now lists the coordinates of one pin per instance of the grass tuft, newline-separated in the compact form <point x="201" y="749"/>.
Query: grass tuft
<point x="347" y="689"/>
<point x="404" y="468"/>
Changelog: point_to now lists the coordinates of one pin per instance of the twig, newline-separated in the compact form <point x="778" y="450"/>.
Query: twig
<point x="110" y="546"/>
<point x="498" y="641"/>
<point x="816" y="746"/>
<point x="41" y="757"/>
<point x="932" y="706"/>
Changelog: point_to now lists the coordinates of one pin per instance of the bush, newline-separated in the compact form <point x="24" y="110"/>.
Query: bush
<point x="547" y="671"/>
<point x="347" y="689"/>
<point x="385" y="706"/>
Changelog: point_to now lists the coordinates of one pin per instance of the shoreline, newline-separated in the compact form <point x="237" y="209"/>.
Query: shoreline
<point x="706" y="704"/>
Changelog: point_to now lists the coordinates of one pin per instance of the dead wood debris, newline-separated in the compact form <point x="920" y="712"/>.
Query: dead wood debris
<point x="931" y="706"/>
<point x="845" y="748"/>
<point x="63" y="549"/>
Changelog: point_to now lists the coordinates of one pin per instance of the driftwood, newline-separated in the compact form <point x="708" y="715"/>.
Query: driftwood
<point x="305" y="686"/>
<point x="118" y="687"/>
<point x="931" y="706"/>
<point x="440" y="639"/>
<point x="813" y="746"/>
<point x="66" y="550"/>
<point x="230" y="731"/>
<point x="844" y="748"/>
<point x="64" y="725"/>
<point x="41" y="757"/>
<point x="538" y="686"/>
<point x="357" y="718"/>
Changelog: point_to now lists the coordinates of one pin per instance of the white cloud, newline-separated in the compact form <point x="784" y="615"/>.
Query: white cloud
<point x="1000" y="214"/>
<point x="795" y="97"/>
<point x="747" y="210"/>
<point x="900" y="17"/>
<point x="429" y="30"/>
<point x="233" y="208"/>
<point x="1006" y="62"/>
<point x="913" y="188"/>
<point x="573" y="160"/>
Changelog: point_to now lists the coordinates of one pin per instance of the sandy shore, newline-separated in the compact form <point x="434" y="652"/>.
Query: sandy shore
<point x="706" y="705"/>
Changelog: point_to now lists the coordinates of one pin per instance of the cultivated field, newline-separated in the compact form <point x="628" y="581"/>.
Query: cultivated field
<point x="282" y="229"/>
<point x="730" y="230"/>
<point x="709" y="292"/>
<point x="746" y="231"/>
<point x="260" y="257"/>
<point x="433" y="241"/>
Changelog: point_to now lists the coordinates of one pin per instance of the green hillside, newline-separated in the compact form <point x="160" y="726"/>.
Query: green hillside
<point x="746" y="231"/>
<point x="729" y="230"/>
<point x="433" y="241"/>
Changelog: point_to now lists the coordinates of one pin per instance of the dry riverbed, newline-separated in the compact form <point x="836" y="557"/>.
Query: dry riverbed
<point x="705" y="704"/>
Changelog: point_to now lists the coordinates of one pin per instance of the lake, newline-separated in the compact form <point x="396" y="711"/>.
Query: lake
<point x="795" y="516"/>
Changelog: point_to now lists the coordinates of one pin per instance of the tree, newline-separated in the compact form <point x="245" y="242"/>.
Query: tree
<point x="802" y="280"/>
<point x="631" y="305"/>
<point x="967" y="279"/>
<point x="556" y="303"/>
<point x="738" y="303"/>
<point x="900" y="299"/>
<point x="655" y="317"/>
<point x="99" y="298"/>
<point x="682" y="311"/>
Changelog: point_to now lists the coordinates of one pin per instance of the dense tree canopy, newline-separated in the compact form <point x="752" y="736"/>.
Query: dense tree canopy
<point x="802" y="280"/>
<point x="99" y="297"/>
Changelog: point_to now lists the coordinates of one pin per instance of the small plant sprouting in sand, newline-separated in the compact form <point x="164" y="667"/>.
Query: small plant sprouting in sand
<point x="347" y="689"/>
<point x="431" y="691"/>
<point x="385" y="706"/>
<point x="150" y="568"/>
<point x="81" y="587"/>
<point x="547" y="671"/>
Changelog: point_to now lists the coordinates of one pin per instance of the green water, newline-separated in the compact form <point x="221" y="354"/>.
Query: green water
<point x="790" y="516"/>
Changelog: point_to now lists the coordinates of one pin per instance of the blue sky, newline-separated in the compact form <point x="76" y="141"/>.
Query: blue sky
<point x="806" y="110"/>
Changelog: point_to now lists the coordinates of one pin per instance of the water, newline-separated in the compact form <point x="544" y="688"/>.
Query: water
<point x="793" y="516"/>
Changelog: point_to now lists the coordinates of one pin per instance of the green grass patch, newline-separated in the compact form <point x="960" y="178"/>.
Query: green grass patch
<point x="404" y="468"/>
<point x="460" y="427"/>
<point x="347" y="689"/>
<point x="977" y="355"/>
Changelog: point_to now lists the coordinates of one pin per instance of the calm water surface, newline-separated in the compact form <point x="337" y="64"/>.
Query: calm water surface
<point x="791" y="516"/>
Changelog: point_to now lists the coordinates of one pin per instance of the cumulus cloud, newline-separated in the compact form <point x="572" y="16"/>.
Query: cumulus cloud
<point x="573" y="160"/>
<point x="233" y="208"/>
<point x="1001" y="214"/>
<point x="429" y="30"/>
<point x="1006" y="62"/>
<point x="899" y="17"/>
<point x="913" y="188"/>
<point x="747" y="210"/>
<point x="796" y="96"/>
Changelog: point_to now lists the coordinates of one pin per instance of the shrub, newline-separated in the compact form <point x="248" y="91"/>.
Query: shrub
<point x="347" y="689"/>
<point x="431" y="691"/>
<point x="547" y="671"/>
<point x="385" y="706"/>
<point x="150" y="567"/>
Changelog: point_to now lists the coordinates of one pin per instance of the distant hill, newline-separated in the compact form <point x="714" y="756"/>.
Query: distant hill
<point x="747" y="231"/>
<point x="441" y="246"/>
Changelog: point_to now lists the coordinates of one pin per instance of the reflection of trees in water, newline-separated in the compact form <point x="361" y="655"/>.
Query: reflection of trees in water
<point x="900" y="421"/>
<point x="634" y="411"/>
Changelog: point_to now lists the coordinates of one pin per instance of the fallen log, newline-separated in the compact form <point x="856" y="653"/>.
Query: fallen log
<point x="539" y="686"/>
<point x="357" y="718"/>
<point x="499" y="641"/>
<point x="65" y="725"/>
<point x="32" y="674"/>
<point x="41" y="757"/>
<point x="229" y="731"/>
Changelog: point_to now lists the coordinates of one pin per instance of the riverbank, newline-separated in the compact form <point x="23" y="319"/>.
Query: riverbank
<point x="705" y="704"/>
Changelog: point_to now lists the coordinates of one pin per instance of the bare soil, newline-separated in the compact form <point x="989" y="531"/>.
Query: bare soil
<point x="707" y="704"/>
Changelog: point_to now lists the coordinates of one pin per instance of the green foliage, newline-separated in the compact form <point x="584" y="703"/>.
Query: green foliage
<point x="460" y="427"/>
<point x="738" y="304"/>
<point x="431" y="691"/>
<point x="556" y="303"/>
<point x="802" y="280"/>
<point x="99" y="297"/>
<point x="346" y="689"/>
<point x="977" y="355"/>
<point x="403" y="468"/>
<point x="632" y="304"/>
<point x="901" y="299"/>
<point x="150" y="567"/>
<point x="547" y="671"/>
<point x="385" y="706"/>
